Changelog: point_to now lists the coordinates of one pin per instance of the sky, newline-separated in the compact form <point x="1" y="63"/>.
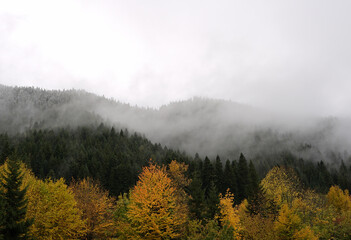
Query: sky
<point x="286" y="56"/>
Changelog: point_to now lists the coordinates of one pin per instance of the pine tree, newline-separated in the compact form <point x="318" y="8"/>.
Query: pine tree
<point x="15" y="226"/>
<point x="242" y="179"/>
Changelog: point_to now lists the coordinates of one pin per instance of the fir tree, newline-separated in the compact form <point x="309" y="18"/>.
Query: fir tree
<point x="253" y="180"/>
<point x="207" y="175"/>
<point x="325" y="180"/>
<point x="219" y="175"/>
<point x="2" y="214"/>
<point x="234" y="167"/>
<point x="242" y="179"/>
<point x="229" y="180"/>
<point x="197" y="199"/>
<point x="212" y="201"/>
<point x="15" y="225"/>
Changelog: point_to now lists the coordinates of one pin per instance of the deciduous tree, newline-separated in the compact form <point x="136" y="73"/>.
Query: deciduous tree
<point x="229" y="215"/>
<point x="52" y="205"/>
<point x="97" y="208"/>
<point x="153" y="210"/>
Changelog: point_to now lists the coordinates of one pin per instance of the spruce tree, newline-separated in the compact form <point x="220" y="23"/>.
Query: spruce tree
<point x="15" y="225"/>
<point x="253" y="180"/>
<point x="242" y="179"/>
<point x="207" y="175"/>
<point x="212" y="201"/>
<point x="229" y="180"/>
<point x="219" y="175"/>
<point x="234" y="167"/>
<point x="197" y="199"/>
<point x="2" y="214"/>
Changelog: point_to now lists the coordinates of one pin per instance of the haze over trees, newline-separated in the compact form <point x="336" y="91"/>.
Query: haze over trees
<point x="205" y="126"/>
<point x="83" y="170"/>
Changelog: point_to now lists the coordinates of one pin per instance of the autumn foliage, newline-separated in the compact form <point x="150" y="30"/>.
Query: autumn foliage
<point x="153" y="209"/>
<point x="229" y="214"/>
<point x="97" y="208"/>
<point x="55" y="211"/>
<point x="157" y="207"/>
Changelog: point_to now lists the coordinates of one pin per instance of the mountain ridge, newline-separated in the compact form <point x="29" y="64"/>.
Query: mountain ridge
<point x="203" y="125"/>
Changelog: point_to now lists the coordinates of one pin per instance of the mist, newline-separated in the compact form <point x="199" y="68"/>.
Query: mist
<point x="290" y="58"/>
<point x="209" y="127"/>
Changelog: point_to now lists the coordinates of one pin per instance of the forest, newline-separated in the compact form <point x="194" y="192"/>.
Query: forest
<point x="99" y="182"/>
<point x="175" y="120"/>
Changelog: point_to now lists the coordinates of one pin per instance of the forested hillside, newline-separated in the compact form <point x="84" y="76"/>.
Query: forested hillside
<point x="76" y="172"/>
<point x="205" y="126"/>
<point x="115" y="158"/>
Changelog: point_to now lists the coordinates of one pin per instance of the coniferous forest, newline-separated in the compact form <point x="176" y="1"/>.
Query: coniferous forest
<point x="98" y="182"/>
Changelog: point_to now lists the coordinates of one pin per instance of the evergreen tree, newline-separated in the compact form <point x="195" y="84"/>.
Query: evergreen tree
<point x="197" y="197"/>
<point x="325" y="180"/>
<point x="342" y="176"/>
<point x="5" y="149"/>
<point x="242" y="179"/>
<point x="253" y="185"/>
<point x="207" y="175"/>
<point x="15" y="226"/>
<point x="234" y="167"/>
<point x="212" y="201"/>
<point x="2" y="214"/>
<point x="219" y="175"/>
<point x="229" y="180"/>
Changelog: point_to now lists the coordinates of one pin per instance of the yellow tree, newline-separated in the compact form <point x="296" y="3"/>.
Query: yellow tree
<point x="298" y="207"/>
<point x="282" y="185"/>
<point x="97" y="208"/>
<point x="228" y="214"/>
<point x="176" y="171"/>
<point x="290" y="224"/>
<point x="335" y="218"/>
<point x="153" y="210"/>
<point x="54" y="209"/>
<point x="339" y="199"/>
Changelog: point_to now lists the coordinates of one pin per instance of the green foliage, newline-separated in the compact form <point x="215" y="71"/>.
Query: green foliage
<point x="218" y="174"/>
<point x="229" y="179"/>
<point x="207" y="175"/>
<point x="197" y="198"/>
<point x="242" y="179"/>
<point x="112" y="158"/>
<point x="253" y="185"/>
<point x="212" y="201"/>
<point x="209" y="231"/>
<point x="2" y="214"/>
<point x="15" y="225"/>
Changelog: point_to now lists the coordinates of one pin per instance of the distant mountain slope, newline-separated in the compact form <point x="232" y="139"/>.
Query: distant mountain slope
<point x="206" y="126"/>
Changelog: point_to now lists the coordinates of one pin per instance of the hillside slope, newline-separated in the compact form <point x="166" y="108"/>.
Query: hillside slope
<point x="206" y="126"/>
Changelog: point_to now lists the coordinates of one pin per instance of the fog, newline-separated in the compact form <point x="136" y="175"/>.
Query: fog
<point x="290" y="58"/>
<point x="198" y="125"/>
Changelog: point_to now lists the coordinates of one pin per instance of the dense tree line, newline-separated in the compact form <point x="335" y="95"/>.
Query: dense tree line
<point x="115" y="158"/>
<point x="158" y="206"/>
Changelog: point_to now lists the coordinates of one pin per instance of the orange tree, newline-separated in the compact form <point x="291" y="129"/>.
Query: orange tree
<point x="97" y="208"/>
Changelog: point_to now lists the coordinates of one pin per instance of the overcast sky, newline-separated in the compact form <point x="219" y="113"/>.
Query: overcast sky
<point x="282" y="55"/>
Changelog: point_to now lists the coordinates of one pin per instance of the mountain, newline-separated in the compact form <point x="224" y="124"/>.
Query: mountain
<point x="202" y="125"/>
